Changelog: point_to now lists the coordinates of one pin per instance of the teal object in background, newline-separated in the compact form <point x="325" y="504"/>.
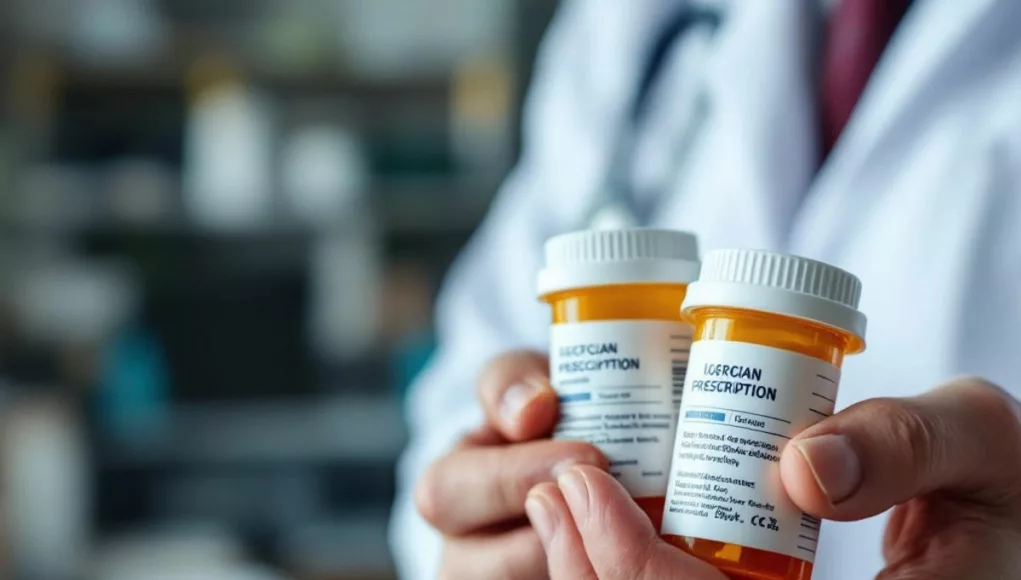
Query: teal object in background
<point x="410" y="357"/>
<point x="134" y="393"/>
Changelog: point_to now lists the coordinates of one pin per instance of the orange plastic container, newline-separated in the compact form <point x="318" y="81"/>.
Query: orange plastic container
<point x="771" y="333"/>
<point x="618" y="349"/>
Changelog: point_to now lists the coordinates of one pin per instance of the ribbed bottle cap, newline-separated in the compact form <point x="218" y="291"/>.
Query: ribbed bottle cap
<point x="781" y="284"/>
<point x="627" y="256"/>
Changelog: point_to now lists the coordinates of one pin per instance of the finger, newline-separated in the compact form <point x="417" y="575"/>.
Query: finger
<point x="474" y="488"/>
<point x="901" y="518"/>
<point x="618" y="537"/>
<point x="976" y="552"/>
<point x="516" y="396"/>
<point x="963" y="438"/>
<point x="552" y="521"/>
<point x="514" y="555"/>
<point x="483" y="436"/>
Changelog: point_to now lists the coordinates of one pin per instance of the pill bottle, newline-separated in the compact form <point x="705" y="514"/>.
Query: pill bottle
<point x="771" y="332"/>
<point x="618" y="350"/>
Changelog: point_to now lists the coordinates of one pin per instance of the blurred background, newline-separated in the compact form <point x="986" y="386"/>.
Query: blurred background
<point x="222" y="227"/>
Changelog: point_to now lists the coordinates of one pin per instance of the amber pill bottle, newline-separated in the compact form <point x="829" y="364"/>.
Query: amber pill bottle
<point x="618" y="350"/>
<point x="770" y="335"/>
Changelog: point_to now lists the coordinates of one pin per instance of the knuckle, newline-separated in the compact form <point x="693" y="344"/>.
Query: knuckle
<point x="993" y="402"/>
<point x="971" y="387"/>
<point x="999" y="412"/>
<point x="990" y="411"/>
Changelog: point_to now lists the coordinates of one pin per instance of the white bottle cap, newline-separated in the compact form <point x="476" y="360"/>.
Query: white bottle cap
<point x="781" y="284"/>
<point x="610" y="257"/>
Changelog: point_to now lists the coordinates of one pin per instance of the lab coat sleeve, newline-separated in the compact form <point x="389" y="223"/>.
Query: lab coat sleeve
<point x="488" y="304"/>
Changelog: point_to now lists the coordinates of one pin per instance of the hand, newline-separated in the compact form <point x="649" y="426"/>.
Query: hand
<point x="948" y="462"/>
<point x="475" y="496"/>
<point x="591" y="529"/>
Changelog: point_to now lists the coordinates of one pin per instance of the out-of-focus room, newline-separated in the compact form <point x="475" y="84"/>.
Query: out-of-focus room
<point x="223" y="224"/>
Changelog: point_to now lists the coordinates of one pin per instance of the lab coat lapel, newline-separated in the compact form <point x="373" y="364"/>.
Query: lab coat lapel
<point x="759" y="150"/>
<point x="931" y="32"/>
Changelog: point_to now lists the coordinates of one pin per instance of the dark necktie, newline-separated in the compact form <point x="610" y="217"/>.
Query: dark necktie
<point x="856" y="35"/>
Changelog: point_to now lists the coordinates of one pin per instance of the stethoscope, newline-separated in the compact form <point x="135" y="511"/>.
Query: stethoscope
<point x="615" y="204"/>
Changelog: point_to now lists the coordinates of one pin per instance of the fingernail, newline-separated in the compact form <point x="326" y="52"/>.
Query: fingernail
<point x="834" y="464"/>
<point x="541" y="517"/>
<point x="572" y="485"/>
<point x="515" y="399"/>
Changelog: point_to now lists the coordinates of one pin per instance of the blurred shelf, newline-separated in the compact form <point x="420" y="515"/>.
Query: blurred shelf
<point x="350" y="546"/>
<point x="399" y="207"/>
<point x="345" y="429"/>
<point x="326" y="81"/>
<point x="439" y="206"/>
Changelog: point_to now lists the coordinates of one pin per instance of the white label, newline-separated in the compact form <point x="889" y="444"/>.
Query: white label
<point x="620" y="385"/>
<point x="742" y="404"/>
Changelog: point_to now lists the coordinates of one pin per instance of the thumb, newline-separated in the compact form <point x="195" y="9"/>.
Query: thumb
<point x="964" y="437"/>
<point x="618" y="537"/>
<point x="516" y="396"/>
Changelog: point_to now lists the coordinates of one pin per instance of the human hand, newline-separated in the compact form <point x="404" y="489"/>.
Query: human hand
<point x="475" y="495"/>
<point x="948" y="462"/>
<point x="591" y="529"/>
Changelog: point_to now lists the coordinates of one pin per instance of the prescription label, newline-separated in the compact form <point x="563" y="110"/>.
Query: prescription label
<point x="620" y="385"/>
<point x="742" y="404"/>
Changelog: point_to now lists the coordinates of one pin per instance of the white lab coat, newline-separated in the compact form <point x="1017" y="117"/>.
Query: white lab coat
<point x="921" y="198"/>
